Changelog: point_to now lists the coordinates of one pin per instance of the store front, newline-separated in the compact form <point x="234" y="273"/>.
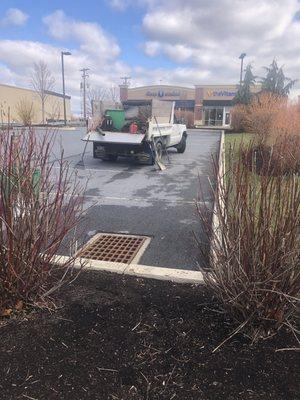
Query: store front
<point x="216" y="104"/>
<point x="204" y="105"/>
<point x="216" y="115"/>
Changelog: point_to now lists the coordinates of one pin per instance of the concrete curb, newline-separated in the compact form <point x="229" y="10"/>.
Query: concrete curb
<point x="138" y="270"/>
<point x="220" y="181"/>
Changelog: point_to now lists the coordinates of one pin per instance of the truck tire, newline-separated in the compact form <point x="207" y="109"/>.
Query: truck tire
<point x="159" y="150"/>
<point x="182" y="145"/>
<point x="110" y="157"/>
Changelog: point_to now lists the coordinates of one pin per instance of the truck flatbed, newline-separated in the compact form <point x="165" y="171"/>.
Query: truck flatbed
<point x="114" y="138"/>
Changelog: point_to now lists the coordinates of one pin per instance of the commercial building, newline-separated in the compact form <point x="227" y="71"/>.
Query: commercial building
<point x="207" y="105"/>
<point x="13" y="98"/>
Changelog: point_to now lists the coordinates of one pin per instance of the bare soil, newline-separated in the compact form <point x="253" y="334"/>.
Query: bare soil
<point x="116" y="338"/>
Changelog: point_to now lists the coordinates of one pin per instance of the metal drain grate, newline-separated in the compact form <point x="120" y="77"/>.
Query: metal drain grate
<point x="115" y="248"/>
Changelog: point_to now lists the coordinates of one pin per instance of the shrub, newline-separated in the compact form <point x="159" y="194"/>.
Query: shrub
<point x="186" y="117"/>
<point x="238" y="118"/>
<point x="25" y="111"/>
<point x="283" y="157"/>
<point x="262" y="115"/>
<point x="255" y="247"/>
<point x="269" y="117"/>
<point x="40" y="203"/>
<point x="276" y="125"/>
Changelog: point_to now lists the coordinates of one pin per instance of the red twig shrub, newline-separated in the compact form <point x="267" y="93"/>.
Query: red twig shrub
<point x="40" y="203"/>
<point x="255" y="246"/>
<point x="283" y="157"/>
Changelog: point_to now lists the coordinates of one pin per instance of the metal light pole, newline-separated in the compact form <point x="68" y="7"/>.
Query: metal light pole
<point x="84" y="76"/>
<point x="64" y="53"/>
<point x="241" y="57"/>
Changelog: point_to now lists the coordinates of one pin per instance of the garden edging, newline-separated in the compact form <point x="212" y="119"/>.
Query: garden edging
<point x="138" y="270"/>
<point x="220" y="177"/>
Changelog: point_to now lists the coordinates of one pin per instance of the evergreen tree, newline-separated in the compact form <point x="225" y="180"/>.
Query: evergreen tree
<point x="275" y="81"/>
<point x="244" y="94"/>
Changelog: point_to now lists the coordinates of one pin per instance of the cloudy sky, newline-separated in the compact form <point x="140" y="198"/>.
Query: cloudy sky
<point x="182" y="42"/>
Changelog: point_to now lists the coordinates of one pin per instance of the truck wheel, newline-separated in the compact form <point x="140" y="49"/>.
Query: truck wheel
<point x="182" y="145"/>
<point x="110" y="157"/>
<point x="159" y="150"/>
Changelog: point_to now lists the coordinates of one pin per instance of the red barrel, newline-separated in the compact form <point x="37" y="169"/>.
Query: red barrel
<point x="133" y="128"/>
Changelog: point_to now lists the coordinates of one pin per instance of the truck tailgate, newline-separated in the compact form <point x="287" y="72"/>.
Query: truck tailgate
<point x="114" y="137"/>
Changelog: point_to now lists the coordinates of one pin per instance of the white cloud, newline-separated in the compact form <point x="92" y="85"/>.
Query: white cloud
<point x="14" y="17"/>
<point x="210" y="34"/>
<point x="177" y="76"/>
<point x="152" y="48"/>
<point x="119" y="5"/>
<point x="90" y="36"/>
<point x="192" y="21"/>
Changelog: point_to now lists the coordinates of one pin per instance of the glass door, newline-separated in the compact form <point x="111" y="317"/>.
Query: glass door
<point x="227" y="118"/>
<point x="219" y="117"/>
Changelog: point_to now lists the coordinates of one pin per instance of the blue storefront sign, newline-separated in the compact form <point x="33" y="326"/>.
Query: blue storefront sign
<point x="162" y="93"/>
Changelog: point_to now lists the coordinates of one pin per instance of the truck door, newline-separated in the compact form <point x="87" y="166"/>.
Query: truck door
<point x="175" y="134"/>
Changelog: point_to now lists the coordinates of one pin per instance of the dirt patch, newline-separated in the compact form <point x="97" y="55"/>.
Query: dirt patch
<point x="125" y="338"/>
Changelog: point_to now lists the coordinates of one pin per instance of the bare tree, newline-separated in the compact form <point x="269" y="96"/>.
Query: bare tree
<point x="114" y="94"/>
<point x="42" y="82"/>
<point x="96" y="95"/>
<point x="55" y="111"/>
<point x="25" y="111"/>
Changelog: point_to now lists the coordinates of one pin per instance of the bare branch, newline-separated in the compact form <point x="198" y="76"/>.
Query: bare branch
<point x="42" y="82"/>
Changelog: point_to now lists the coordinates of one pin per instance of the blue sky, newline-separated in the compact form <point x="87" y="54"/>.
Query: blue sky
<point x="183" y="42"/>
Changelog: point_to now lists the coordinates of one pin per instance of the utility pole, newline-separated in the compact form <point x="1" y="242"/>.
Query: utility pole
<point x="241" y="57"/>
<point x="126" y="79"/>
<point x="64" y="53"/>
<point x="84" y="76"/>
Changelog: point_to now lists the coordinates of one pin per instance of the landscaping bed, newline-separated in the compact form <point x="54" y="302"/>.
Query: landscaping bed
<point x="115" y="337"/>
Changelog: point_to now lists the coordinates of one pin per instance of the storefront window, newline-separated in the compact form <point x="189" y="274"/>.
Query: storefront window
<point x="213" y="116"/>
<point x="227" y="118"/>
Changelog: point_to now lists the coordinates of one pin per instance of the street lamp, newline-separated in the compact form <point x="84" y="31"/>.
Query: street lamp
<point x="241" y="57"/>
<point x="64" y="53"/>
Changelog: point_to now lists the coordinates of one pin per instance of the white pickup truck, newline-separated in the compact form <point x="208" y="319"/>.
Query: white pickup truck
<point x="148" y="144"/>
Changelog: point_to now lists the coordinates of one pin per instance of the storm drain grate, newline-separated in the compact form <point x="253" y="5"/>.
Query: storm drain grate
<point x="115" y="248"/>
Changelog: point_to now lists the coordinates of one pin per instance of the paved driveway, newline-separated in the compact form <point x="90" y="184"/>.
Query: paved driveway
<point x="136" y="199"/>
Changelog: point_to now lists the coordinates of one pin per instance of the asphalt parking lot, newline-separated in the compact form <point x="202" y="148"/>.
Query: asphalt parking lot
<point x="136" y="199"/>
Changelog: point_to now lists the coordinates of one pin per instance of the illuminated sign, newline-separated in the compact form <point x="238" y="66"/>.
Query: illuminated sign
<point x="220" y="93"/>
<point x="161" y="93"/>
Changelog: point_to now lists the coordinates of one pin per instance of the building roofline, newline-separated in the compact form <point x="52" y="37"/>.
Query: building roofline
<point x="156" y="86"/>
<point x="220" y="85"/>
<point x="32" y="90"/>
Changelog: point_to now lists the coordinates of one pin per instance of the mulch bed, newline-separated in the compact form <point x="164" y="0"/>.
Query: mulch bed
<point x="117" y="338"/>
